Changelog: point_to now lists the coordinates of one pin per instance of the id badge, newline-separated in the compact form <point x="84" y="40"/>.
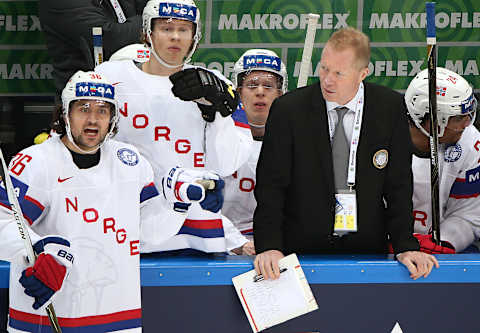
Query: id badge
<point x="345" y="212"/>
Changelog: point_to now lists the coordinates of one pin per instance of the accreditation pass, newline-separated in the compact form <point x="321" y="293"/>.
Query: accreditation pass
<point x="345" y="212"/>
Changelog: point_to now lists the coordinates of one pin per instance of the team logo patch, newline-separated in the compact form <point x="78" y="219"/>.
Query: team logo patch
<point x="259" y="60"/>
<point x="453" y="153"/>
<point x="441" y="91"/>
<point x="127" y="156"/>
<point x="177" y="10"/>
<point x="143" y="54"/>
<point x="380" y="159"/>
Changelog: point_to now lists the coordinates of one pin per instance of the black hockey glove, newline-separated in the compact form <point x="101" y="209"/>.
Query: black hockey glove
<point x="207" y="90"/>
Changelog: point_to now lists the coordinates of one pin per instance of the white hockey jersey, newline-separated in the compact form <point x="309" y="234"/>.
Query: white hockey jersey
<point x="170" y="132"/>
<point x="104" y="211"/>
<point x="459" y="191"/>
<point x="240" y="202"/>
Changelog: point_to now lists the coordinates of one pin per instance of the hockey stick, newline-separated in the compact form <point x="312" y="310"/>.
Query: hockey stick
<point x="432" y="103"/>
<point x="97" y="45"/>
<point x="207" y="184"/>
<point x="22" y="229"/>
<point x="307" y="50"/>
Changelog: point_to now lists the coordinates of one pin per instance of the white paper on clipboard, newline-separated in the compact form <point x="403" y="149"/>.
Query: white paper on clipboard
<point x="271" y="302"/>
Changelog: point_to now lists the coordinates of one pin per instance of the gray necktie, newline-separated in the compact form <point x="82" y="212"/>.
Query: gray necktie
<point x="340" y="151"/>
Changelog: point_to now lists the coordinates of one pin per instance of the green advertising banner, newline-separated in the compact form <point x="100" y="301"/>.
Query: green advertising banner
<point x="294" y="59"/>
<point x="230" y="27"/>
<point x="405" y="21"/>
<point x="24" y="72"/>
<point x="281" y="21"/>
<point x="19" y="23"/>
<point x="395" y="67"/>
<point x="202" y="6"/>
<point x="392" y="67"/>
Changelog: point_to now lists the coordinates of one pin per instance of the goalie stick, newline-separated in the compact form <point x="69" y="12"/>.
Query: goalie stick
<point x="432" y="104"/>
<point x="307" y="50"/>
<point x="22" y="229"/>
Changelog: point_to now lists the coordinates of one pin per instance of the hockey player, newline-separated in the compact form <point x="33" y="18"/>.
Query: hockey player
<point x="178" y="114"/>
<point x="91" y="204"/>
<point x="458" y="157"/>
<point x="259" y="76"/>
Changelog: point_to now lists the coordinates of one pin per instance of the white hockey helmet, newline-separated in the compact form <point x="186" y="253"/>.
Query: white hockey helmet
<point x="260" y="60"/>
<point x="454" y="98"/>
<point x="137" y="52"/>
<point x="90" y="86"/>
<point x="174" y="9"/>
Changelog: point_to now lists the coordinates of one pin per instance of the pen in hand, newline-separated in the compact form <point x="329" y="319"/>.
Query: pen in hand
<point x="259" y="277"/>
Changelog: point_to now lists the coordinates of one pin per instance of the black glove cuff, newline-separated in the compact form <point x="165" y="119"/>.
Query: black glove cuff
<point x="208" y="112"/>
<point x="229" y="103"/>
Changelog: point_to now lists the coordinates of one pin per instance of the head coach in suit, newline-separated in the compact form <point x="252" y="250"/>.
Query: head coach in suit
<point x="301" y="190"/>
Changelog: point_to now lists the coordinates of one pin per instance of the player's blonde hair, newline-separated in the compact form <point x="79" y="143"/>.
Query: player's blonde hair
<point x="355" y="39"/>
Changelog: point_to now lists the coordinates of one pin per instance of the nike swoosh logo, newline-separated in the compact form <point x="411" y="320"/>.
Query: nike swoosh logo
<point x="60" y="180"/>
<point x="114" y="84"/>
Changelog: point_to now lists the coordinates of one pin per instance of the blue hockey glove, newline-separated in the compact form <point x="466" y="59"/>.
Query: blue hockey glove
<point x="179" y="188"/>
<point x="214" y="198"/>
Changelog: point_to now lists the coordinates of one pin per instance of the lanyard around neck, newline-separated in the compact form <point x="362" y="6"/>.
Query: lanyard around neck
<point x="118" y="11"/>
<point x="357" y="125"/>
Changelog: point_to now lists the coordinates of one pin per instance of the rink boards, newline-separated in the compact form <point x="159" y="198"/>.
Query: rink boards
<point x="354" y="293"/>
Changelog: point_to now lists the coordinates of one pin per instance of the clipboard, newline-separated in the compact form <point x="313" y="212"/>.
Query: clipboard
<point x="270" y="302"/>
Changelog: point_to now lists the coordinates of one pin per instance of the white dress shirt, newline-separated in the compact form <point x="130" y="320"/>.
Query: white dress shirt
<point x="349" y="117"/>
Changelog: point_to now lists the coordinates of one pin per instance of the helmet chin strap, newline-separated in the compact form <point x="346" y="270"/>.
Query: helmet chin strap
<point x="455" y="129"/>
<point x="442" y="132"/>
<point x="160" y="60"/>
<point x="72" y="140"/>
<point x="256" y="125"/>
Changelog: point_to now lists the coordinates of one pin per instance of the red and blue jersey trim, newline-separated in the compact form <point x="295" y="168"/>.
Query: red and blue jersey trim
<point x="247" y="232"/>
<point x="240" y="117"/>
<point x="149" y="191"/>
<point x="31" y="208"/>
<point x="203" y="228"/>
<point x="468" y="187"/>
<point x="462" y="189"/>
<point x="103" y="323"/>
